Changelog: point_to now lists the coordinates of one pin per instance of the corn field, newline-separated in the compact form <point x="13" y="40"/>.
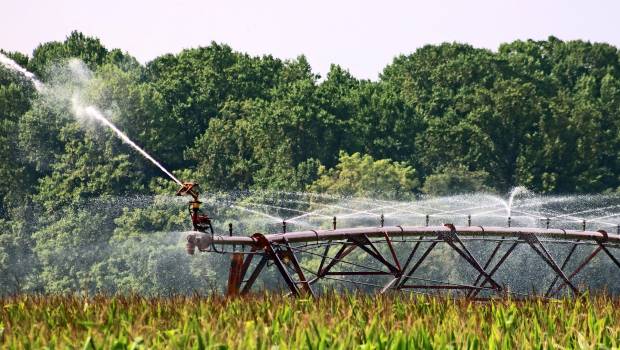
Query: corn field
<point x="269" y="321"/>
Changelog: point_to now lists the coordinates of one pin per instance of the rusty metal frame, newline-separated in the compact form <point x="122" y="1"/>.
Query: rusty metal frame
<point x="555" y="279"/>
<point x="474" y="293"/>
<point x="453" y="240"/>
<point x="532" y="241"/>
<point x="280" y="251"/>
<point x="584" y="262"/>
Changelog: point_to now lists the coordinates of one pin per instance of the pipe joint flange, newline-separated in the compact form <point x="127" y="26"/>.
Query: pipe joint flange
<point x="452" y="235"/>
<point x="261" y="241"/>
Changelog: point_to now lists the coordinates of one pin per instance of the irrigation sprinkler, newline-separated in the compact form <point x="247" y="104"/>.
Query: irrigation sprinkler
<point x="200" y="221"/>
<point x="396" y="258"/>
<point x="191" y="189"/>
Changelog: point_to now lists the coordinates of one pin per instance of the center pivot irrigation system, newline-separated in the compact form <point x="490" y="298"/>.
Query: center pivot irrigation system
<point x="393" y="254"/>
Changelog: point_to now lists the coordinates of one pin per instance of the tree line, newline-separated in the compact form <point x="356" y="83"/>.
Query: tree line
<point x="542" y="114"/>
<point x="446" y="118"/>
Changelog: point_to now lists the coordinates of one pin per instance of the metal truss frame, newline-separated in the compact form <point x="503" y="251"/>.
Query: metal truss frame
<point x="284" y="251"/>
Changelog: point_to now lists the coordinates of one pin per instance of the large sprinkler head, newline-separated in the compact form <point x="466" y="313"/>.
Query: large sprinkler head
<point x="200" y="221"/>
<point x="189" y="189"/>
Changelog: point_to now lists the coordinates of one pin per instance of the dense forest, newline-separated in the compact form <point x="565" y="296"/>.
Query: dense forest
<point x="446" y="118"/>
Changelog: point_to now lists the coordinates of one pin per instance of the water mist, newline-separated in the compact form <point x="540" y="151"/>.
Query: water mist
<point x="88" y="111"/>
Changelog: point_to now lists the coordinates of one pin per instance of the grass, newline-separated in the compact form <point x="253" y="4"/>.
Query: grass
<point x="400" y="321"/>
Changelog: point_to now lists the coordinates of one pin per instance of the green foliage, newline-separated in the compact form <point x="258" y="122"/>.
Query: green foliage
<point x="15" y="173"/>
<point x="543" y="114"/>
<point x="454" y="180"/>
<point x="334" y="321"/>
<point x="536" y="113"/>
<point x="86" y="171"/>
<point x="76" y="45"/>
<point x="357" y="175"/>
<point x="16" y="258"/>
<point x="225" y="154"/>
<point x="264" y="143"/>
<point x="197" y="83"/>
<point x="69" y="249"/>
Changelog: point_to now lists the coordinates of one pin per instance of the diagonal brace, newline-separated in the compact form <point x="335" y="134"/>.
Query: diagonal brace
<point x="532" y="241"/>
<point x="452" y="237"/>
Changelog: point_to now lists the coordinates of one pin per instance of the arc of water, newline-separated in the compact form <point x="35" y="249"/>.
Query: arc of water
<point x="524" y="214"/>
<point x="515" y="191"/>
<point x="448" y="212"/>
<point x="91" y="111"/>
<point x="530" y="214"/>
<point x="333" y="206"/>
<point x="275" y="219"/>
<point x="604" y="217"/>
<point x="470" y="209"/>
<point x="585" y="211"/>
<point x="10" y="64"/>
<point x="536" y="203"/>
<point x="567" y="217"/>
<point x="580" y="219"/>
<point x="457" y="212"/>
<point x="367" y="201"/>
<point x="293" y="219"/>
<point x="96" y="114"/>
<point x="324" y="204"/>
<point x="397" y="209"/>
<point x="263" y="205"/>
<point x="306" y="214"/>
<point x="296" y="218"/>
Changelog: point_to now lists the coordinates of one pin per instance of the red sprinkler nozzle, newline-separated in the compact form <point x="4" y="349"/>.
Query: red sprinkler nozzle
<point x="189" y="188"/>
<point x="200" y="221"/>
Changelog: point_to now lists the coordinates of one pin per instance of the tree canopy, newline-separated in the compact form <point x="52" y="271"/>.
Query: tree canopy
<point x="357" y="175"/>
<point x="444" y="119"/>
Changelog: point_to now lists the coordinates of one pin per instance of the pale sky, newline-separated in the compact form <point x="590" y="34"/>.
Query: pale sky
<point x="362" y="36"/>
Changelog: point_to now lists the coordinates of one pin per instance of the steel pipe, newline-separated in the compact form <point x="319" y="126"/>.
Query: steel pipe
<point x="203" y="240"/>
